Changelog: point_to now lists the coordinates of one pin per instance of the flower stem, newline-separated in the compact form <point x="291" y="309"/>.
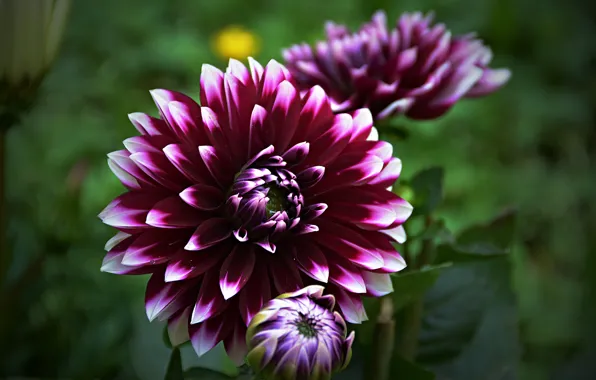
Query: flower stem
<point x="4" y="251"/>
<point x="408" y="347"/>
<point x="383" y="338"/>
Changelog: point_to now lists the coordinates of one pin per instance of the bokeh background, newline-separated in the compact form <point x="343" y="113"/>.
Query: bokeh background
<point x="531" y="145"/>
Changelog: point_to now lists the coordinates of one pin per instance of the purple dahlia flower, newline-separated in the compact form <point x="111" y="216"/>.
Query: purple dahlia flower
<point x="256" y="192"/>
<point x="298" y="336"/>
<point x="416" y="68"/>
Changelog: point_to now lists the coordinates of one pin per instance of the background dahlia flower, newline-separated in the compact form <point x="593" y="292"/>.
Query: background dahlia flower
<point x="415" y="68"/>
<point x="257" y="192"/>
<point x="298" y="336"/>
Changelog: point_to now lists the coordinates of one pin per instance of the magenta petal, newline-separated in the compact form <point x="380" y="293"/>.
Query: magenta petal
<point x="312" y="260"/>
<point x="148" y="125"/>
<point x="203" y="197"/>
<point x="366" y="216"/>
<point x="216" y="164"/>
<point x="236" y="270"/>
<point x="178" y="327"/>
<point x="273" y="75"/>
<point x="129" y="210"/>
<point x="346" y="275"/>
<point x="389" y="174"/>
<point x="350" y="305"/>
<point x="159" y="168"/>
<point x="163" y="299"/>
<point x="151" y="248"/>
<point x="210" y="302"/>
<point x="186" y="122"/>
<point x="255" y="293"/>
<point x="172" y="212"/>
<point x="348" y="243"/>
<point x="188" y="162"/>
<point x="235" y="343"/>
<point x="377" y="284"/>
<point x="284" y="272"/>
<point x="285" y="111"/>
<point x="212" y="90"/>
<point x="398" y="234"/>
<point x="256" y="136"/>
<point x="316" y="115"/>
<point x="209" y="233"/>
<point x="208" y="334"/>
<point x="363" y="123"/>
<point x="491" y="80"/>
<point x="457" y="86"/>
<point x="189" y="264"/>
<point x="330" y="144"/>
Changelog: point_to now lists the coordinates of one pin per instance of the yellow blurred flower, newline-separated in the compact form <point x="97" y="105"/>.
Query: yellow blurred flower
<point x="235" y="42"/>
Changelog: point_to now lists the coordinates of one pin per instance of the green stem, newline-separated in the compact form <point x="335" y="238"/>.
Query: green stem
<point x="408" y="346"/>
<point x="383" y="338"/>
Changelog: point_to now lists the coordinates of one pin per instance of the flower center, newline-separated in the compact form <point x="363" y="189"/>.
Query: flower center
<point x="307" y="326"/>
<point x="277" y="200"/>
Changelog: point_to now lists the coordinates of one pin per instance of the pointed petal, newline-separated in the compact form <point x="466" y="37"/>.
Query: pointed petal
<point x="235" y="343"/>
<point x="284" y="273"/>
<point x="178" y="327"/>
<point x="312" y="260"/>
<point x="210" y="302"/>
<point x="236" y="270"/>
<point x="163" y="299"/>
<point x="189" y="264"/>
<point x="255" y="293"/>
<point x="350" y="305"/>
<point x="173" y="212"/>
<point x="209" y="233"/>
<point x="377" y="284"/>
<point x="203" y="197"/>
<point x="206" y="335"/>
<point x="346" y="275"/>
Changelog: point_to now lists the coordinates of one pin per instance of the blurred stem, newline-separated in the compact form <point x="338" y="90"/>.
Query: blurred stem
<point x="4" y="252"/>
<point x="383" y="341"/>
<point x="408" y="347"/>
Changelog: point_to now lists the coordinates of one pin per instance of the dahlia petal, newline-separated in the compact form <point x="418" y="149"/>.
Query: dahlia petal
<point x="310" y="177"/>
<point x="240" y="100"/>
<point x="362" y="123"/>
<point x="178" y="327"/>
<point x="151" y="248"/>
<point x="163" y="98"/>
<point x="209" y="233"/>
<point x="206" y="335"/>
<point x="115" y="240"/>
<point x="406" y="59"/>
<point x="210" y="301"/>
<point x="212" y="90"/>
<point x="491" y="80"/>
<point x="331" y="143"/>
<point x="398" y="234"/>
<point x="366" y="216"/>
<point x="349" y="170"/>
<point x="189" y="163"/>
<point x="216" y="164"/>
<point x="125" y="178"/>
<point x="148" y="125"/>
<point x="163" y="299"/>
<point x="140" y="144"/>
<point x="285" y="111"/>
<point x="112" y="262"/>
<point x="296" y="154"/>
<point x="346" y="275"/>
<point x="396" y="107"/>
<point x="350" y="305"/>
<point x="392" y="260"/>
<point x="262" y="354"/>
<point x="235" y="343"/>
<point x="374" y="135"/>
<point x="433" y="81"/>
<point x="273" y="75"/>
<point x="255" y="293"/>
<point x="239" y="71"/>
<point x="256" y="70"/>
<point x="316" y="116"/>
<point x="186" y="122"/>
<point x="256" y="134"/>
<point x="377" y="284"/>
<point x="159" y="168"/>
<point x="236" y="270"/>
<point x="312" y="261"/>
<point x="203" y="197"/>
<point x="121" y="160"/>
<point x="173" y="212"/>
<point x="314" y="211"/>
<point x="129" y="210"/>
<point x="284" y="273"/>
<point x="458" y="86"/>
<point x="388" y="175"/>
<point x="189" y="264"/>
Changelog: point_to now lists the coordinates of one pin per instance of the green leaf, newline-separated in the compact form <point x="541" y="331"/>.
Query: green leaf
<point x="428" y="190"/>
<point x="409" y="286"/>
<point x="166" y="337"/>
<point x="199" y="373"/>
<point x="469" y="330"/>
<point x="482" y="242"/>
<point x="404" y="369"/>
<point x="175" y="371"/>
<point x="489" y="238"/>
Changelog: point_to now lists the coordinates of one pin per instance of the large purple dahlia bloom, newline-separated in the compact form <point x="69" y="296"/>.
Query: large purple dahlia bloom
<point x="416" y="68"/>
<point x="256" y="192"/>
<point x="298" y="336"/>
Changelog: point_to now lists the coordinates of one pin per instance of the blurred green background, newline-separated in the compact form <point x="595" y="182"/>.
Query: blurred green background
<point x="531" y="145"/>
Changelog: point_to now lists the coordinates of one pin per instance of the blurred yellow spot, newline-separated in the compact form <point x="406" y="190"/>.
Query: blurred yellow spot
<point x="235" y="42"/>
